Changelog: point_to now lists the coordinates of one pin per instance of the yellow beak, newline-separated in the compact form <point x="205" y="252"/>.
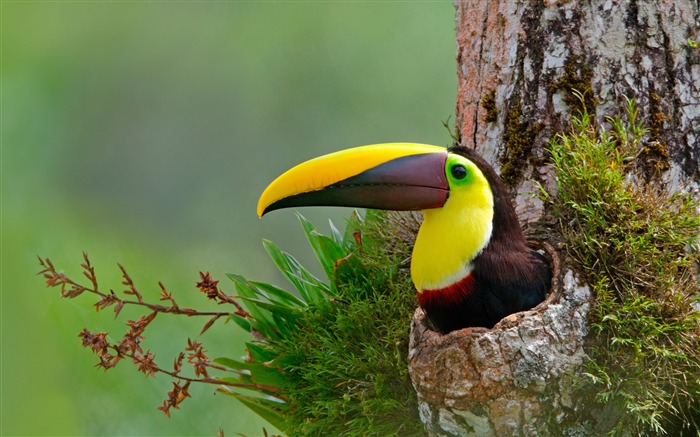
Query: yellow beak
<point x="396" y="176"/>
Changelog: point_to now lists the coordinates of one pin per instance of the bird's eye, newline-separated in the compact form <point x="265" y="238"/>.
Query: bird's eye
<point x="458" y="171"/>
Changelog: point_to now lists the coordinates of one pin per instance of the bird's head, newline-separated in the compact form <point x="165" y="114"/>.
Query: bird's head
<point x="452" y="187"/>
<point x="397" y="176"/>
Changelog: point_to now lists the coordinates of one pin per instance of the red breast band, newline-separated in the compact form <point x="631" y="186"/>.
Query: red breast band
<point x="448" y="296"/>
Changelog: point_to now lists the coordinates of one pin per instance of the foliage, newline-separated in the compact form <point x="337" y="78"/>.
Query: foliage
<point x="328" y="360"/>
<point x="339" y="352"/>
<point x="637" y="245"/>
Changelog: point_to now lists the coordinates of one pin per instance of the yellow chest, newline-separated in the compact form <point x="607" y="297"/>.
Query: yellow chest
<point x="449" y="238"/>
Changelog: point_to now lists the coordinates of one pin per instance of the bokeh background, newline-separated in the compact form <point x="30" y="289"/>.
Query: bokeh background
<point x="143" y="133"/>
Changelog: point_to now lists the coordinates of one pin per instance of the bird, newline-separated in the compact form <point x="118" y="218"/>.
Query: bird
<point x="470" y="264"/>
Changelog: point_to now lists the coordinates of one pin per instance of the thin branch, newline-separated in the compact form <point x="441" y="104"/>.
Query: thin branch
<point x="71" y="289"/>
<point x="110" y="354"/>
<point x="209" y="380"/>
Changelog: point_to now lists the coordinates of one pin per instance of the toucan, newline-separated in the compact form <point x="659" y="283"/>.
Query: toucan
<point x="470" y="264"/>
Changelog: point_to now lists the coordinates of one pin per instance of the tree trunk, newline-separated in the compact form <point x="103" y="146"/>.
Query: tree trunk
<point x="519" y="62"/>
<point x="520" y="66"/>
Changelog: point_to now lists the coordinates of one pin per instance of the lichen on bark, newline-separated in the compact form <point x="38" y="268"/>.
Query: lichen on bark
<point x="532" y="55"/>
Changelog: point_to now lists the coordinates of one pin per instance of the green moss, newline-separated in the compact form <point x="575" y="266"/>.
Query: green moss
<point x="351" y="376"/>
<point x="518" y="139"/>
<point x="488" y="102"/>
<point x="576" y="80"/>
<point x="520" y="133"/>
<point x="336" y="358"/>
<point x="637" y="247"/>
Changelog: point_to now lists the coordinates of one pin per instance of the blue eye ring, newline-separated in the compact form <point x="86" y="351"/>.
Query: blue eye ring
<point x="458" y="171"/>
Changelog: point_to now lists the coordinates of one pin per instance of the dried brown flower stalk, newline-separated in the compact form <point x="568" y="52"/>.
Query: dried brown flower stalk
<point x="110" y="353"/>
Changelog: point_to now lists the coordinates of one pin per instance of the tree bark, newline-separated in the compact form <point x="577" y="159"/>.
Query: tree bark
<point x="519" y="62"/>
<point x="520" y="66"/>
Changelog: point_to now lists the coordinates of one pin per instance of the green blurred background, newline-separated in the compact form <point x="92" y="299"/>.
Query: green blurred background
<point x="142" y="133"/>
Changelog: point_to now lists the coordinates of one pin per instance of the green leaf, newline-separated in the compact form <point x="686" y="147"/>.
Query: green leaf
<point x="283" y="317"/>
<point x="312" y="290"/>
<point x="267" y="409"/>
<point x="335" y="233"/>
<point x="327" y="251"/>
<point x="271" y="307"/>
<point x="241" y="321"/>
<point x="278" y="295"/>
<point x="262" y="320"/>
<point x="231" y="363"/>
<point x="260" y="373"/>
<point x="260" y="353"/>
<point x="347" y="268"/>
<point x="274" y="311"/>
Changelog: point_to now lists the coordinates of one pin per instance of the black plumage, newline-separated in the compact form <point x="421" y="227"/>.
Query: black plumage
<point x="507" y="276"/>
